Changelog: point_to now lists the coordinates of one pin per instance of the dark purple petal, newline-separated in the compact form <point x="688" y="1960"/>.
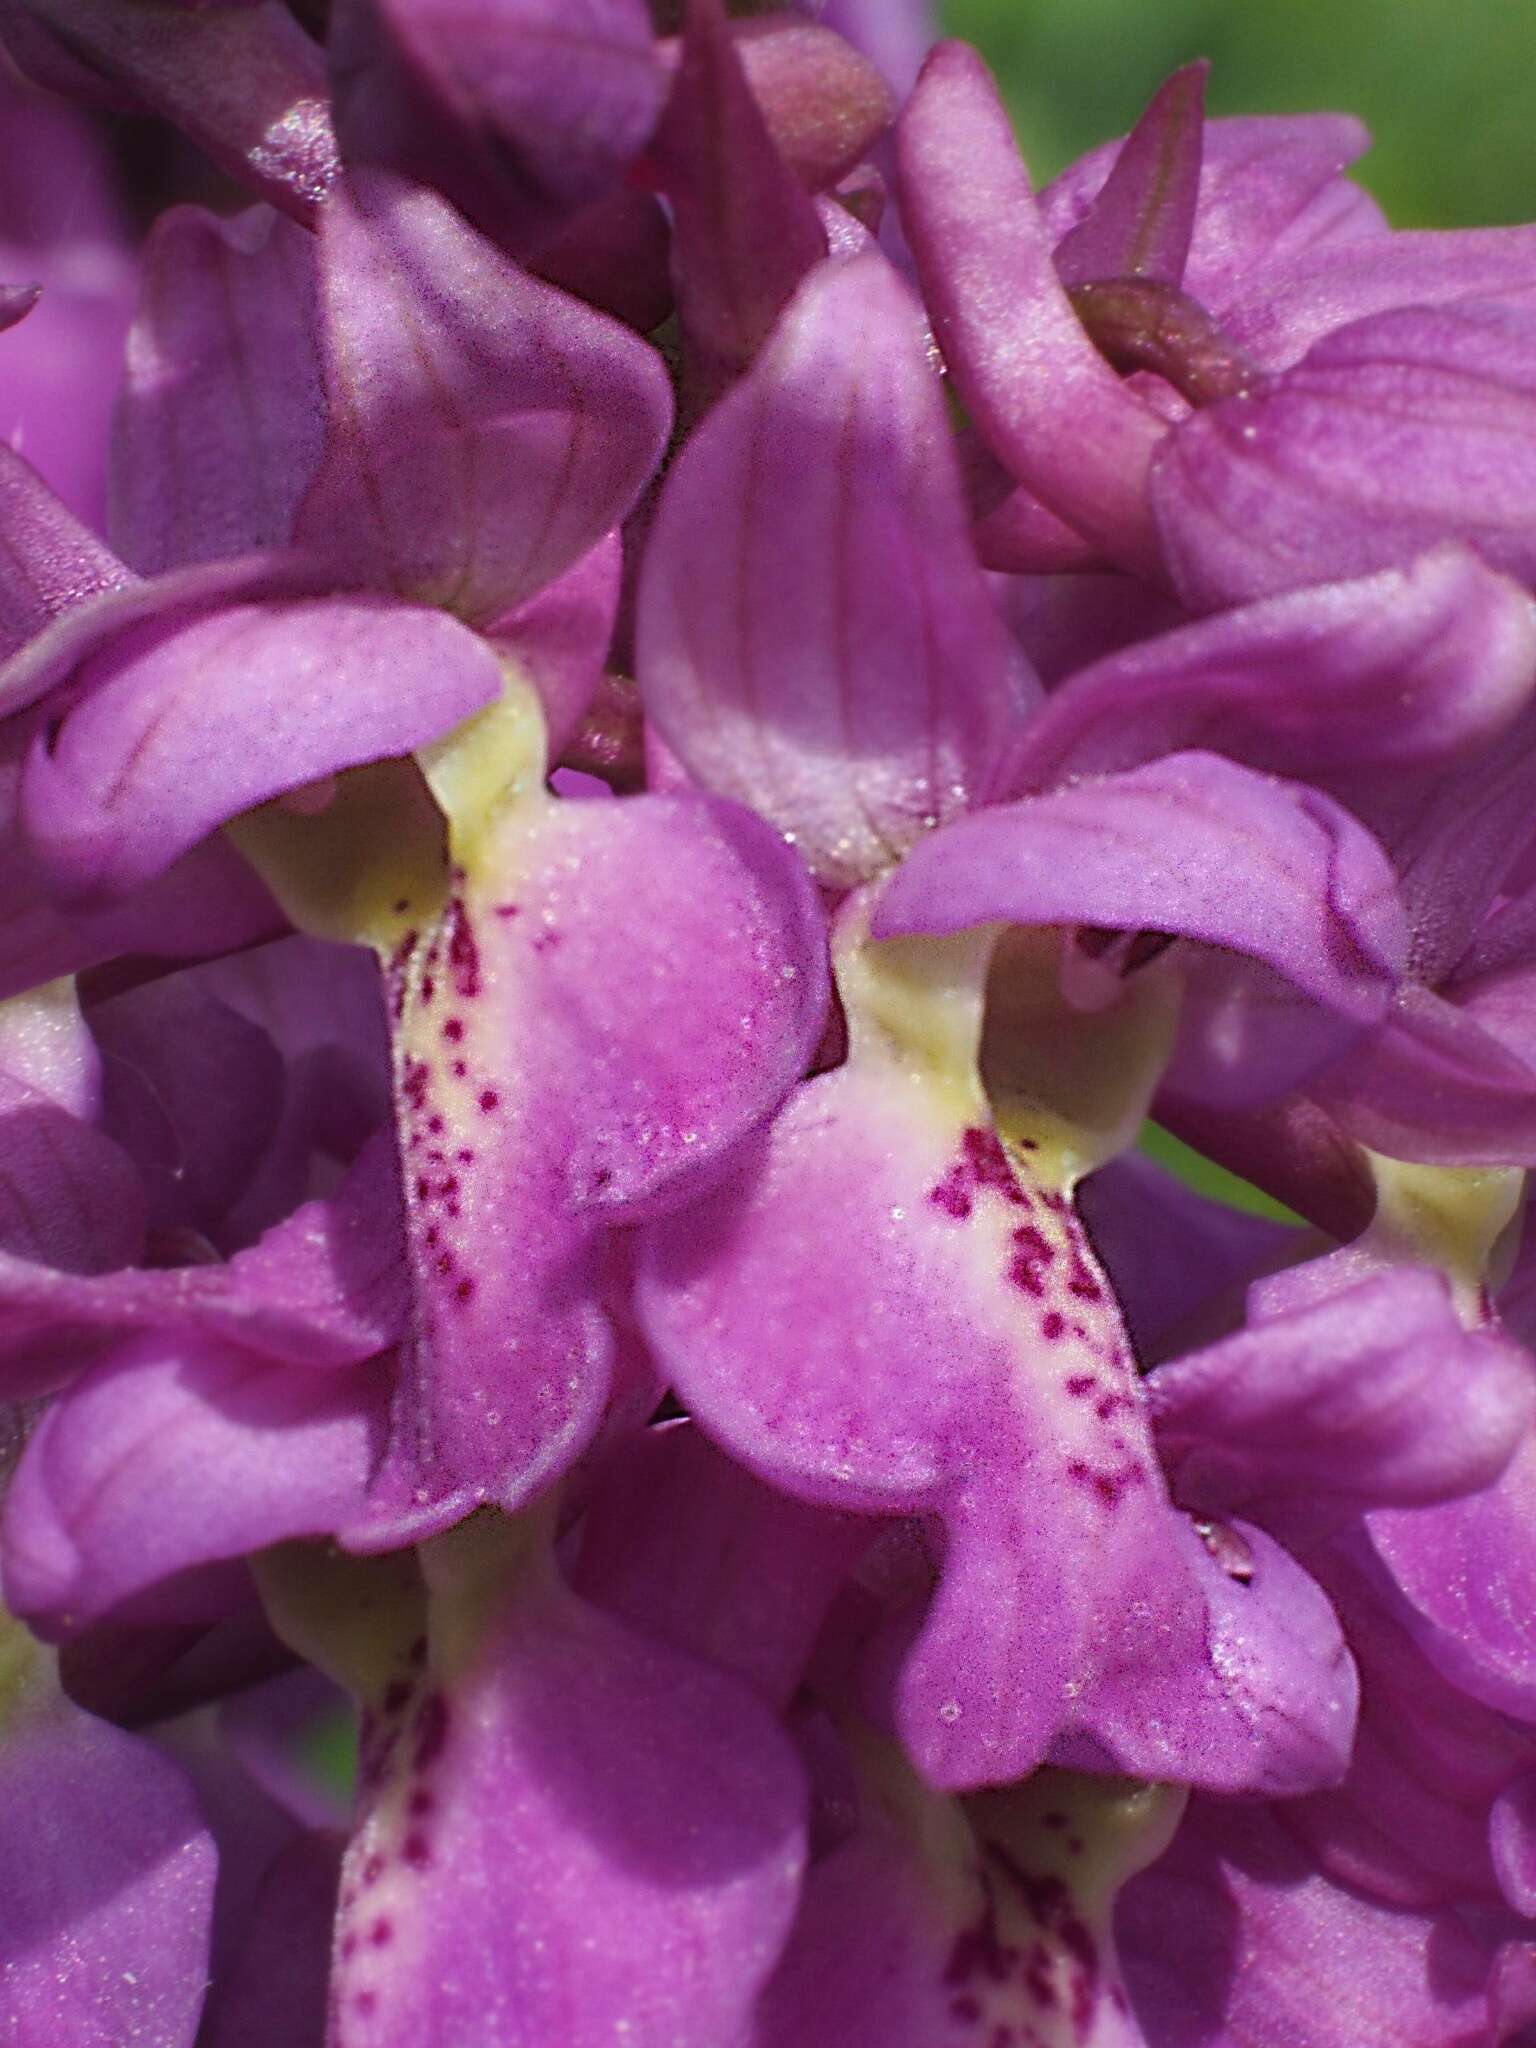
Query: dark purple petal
<point x="1512" y="1839"/>
<point x="521" y="114"/>
<point x="1404" y="429"/>
<point x="324" y="1288"/>
<point x="614" y="255"/>
<point x="1408" y="668"/>
<point x="823" y="105"/>
<point x="1372" y="1396"/>
<point x="1235" y="1936"/>
<point x="815" y="637"/>
<point x="193" y="1092"/>
<point x="178" y="1452"/>
<point x="16" y="302"/>
<point x="207" y="902"/>
<point x="1290" y="1148"/>
<point x="106" y="1882"/>
<point x="486" y="431"/>
<point x="1041" y="396"/>
<point x="190" y="717"/>
<point x="1410" y="1825"/>
<point x="1172" y="1254"/>
<point x="745" y="231"/>
<point x="691" y="1548"/>
<point x="1142" y="218"/>
<point x="273" y="1985"/>
<point x="1432" y="1083"/>
<point x="218" y="423"/>
<point x="245" y="83"/>
<point x="70" y="1196"/>
<point x="1467" y="1570"/>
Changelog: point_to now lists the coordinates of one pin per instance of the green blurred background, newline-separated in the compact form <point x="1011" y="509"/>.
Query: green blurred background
<point x="1448" y="90"/>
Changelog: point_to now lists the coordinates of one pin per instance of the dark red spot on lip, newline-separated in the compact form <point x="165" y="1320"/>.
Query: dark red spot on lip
<point x="1110" y="1487"/>
<point x="402" y="905"/>
<point x="984" y="1154"/>
<point x="431" y="1730"/>
<point x="489" y="1100"/>
<point x="978" y="1952"/>
<point x="1053" y="1326"/>
<point x="463" y="952"/>
<point x="416" y="1851"/>
<point x="1080" y="1385"/>
<point x="460" y="1069"/>
<point x="428" y="989"/>
<point x="465" y="1291"/>
<point x="546" y="942"/>
<point x="420" y="1805"/>
<point x="508" y="910"/>
<point x="373" y="1870"/>
<point x="1039" y="1985"/>
<point x="1032" y="1255"/>
<point x="952" y="1195"/>
<point x="365" y="2002"/>
<point x="381" y="1933"/>
<point x="453" y="1030"/>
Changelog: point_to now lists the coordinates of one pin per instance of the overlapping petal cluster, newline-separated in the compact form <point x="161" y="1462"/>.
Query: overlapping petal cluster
<point x="673" y="709"/>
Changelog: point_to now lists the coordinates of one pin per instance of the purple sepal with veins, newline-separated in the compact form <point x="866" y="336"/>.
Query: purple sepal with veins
<point x="1287" y="471"/>
<point x="814" y="635"/>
